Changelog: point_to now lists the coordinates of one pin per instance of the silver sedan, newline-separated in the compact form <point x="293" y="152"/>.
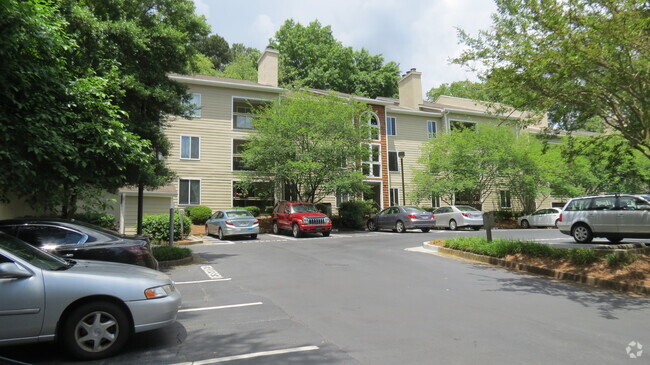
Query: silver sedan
<point x="90" y="307"/>
<point x="541" y="218"/>
<point x="456" y="216"/>
<point x="232" y="222"/>
<point x="400" y="219"/>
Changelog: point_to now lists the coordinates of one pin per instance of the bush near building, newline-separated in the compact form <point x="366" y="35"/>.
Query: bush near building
<point x="157" y="227"/>
<point x="353" y="213"/>
<point x="198" y="214"/>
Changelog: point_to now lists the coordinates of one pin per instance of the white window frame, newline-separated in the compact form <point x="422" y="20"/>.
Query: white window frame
<point x="195" y="101"/>
<point x="435" y="201"/>
<point x="393" y="199"/>
<point x="371" y="163"/>
<point x="396" y="163"/>
<point x="508" y="199"/>
<point x="372" y="127"/>
<point x="233" y="112"/>
<point x="189" y="186"/>
<point x="391" y="124"/>
<point x="233" y="154"/>
<point x="432" y="129"/>
<point x="190" y="156"/>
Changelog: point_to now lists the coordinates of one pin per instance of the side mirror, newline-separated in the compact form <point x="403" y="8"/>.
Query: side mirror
<point x="9" y="270"/>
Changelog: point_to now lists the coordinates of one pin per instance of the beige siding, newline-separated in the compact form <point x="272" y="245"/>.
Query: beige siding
<point x="151" y="206"/>
<point x="16" y="208"/>
<point x="411" y="135"/>
<point x="214" y="127"/>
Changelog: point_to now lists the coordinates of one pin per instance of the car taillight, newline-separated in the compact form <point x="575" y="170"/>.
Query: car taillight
<point x="432" y="216"/>
<point x="411" y="216"/>
<point x="560" y="219"/>
<point x="229" y="223"/>
<point x="465" y="214"/>
<point x="256" y="222"/>
<point x="139" y="251"/>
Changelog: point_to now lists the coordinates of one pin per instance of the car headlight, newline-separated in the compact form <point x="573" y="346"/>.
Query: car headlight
<point x="327" y="220"/>
<point x="158" y="291"/>
<point x="305" y="220"/>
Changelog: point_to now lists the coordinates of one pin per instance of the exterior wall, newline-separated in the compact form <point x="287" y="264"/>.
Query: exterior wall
<point x="411" y="135"/>
<point x="215" y="128"/>
<point x="16" y="208"/>
<point x="152" y="205"/>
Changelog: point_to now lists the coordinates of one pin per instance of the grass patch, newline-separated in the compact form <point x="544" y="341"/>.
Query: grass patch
<point x="620" y="259"/>
<point x="501" y="248"/>
<point x="168" y="253"/>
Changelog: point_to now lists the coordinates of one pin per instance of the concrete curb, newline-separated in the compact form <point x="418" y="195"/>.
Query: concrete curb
<point x="561" y="275"/>
<point x="170" y="263"/>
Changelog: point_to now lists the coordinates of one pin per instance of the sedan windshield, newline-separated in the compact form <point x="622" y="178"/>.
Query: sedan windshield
<point x="34" y="256"/>
<point x="465" y="208"/>
<point x="304" y="208"/>
<point x="238" y="214"/>
<point x="413" y="210"/>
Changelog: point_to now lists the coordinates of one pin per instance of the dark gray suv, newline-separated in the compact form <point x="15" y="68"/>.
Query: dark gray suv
<point x="614" y="216"/>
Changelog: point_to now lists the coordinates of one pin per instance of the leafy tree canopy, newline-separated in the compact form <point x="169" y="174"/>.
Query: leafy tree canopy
<point x="310" y="56"/>
<point x="464" y="89"/>
<point x="216" y="49"/>
<point x="578" y="58"/>
<point x="310" y="145"/>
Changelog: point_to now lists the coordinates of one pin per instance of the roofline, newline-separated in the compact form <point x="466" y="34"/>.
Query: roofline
<point x="163" y="194"/>
<point x="413" y="112"/>
<point x="364" y="99"/>
<point x="477" y="113"/>
<point x="231" y="85"/>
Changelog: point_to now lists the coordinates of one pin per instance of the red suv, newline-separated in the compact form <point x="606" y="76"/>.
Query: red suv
<point x="300" y="218"/>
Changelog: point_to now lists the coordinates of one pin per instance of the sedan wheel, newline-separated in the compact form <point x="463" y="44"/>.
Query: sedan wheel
<point x="452" y="225"/>
<point x="372" y="226"/>
<point x="582" y="234"/>
<point x="425" y="230"/>
<point x="525" y="224"/>
<point x="95" y="330"/>
<point x="399" y="226"/>
<point x="220" y="234"/>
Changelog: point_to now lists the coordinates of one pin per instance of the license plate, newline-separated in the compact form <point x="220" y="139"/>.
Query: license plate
<point x="249" y="229"/>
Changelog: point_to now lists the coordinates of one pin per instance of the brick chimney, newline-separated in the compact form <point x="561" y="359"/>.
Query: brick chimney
<point x="267" y="67"/>
<point x="410" y="89"/>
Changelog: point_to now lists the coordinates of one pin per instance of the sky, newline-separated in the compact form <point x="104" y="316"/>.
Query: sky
<point x="418" y="34"/>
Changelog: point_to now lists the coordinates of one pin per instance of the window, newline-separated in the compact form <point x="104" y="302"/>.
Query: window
<point x="393" y="165"/>
<point x="189" y="192"/>
<point x="374" y="128"/>
<point x="195" y="103"/>
<point x="342" y="197"/>
<point x="390" y="126"/>
<point x="40" y="236"/>
<point x="372" y="167"/>
<point x="258" y="193"/>
<point x="435" y="201"/>
<point x="394" y="196"/>
<point x="459" y="126"/>
<point x="190" y="147"/>
<point x="238" y="146"/>
<point x="432" y="129"/>
<point x="505" y="199"/>
<point x="243" y="112"/>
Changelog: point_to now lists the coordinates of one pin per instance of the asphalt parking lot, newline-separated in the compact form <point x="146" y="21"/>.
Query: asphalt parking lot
<point x="351" y="298"/>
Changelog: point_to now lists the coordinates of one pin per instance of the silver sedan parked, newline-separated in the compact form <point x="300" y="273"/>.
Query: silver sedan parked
<point x="400" y="219"/>
<point x="456" y="216"/>
<point x="548" y="217"/>
<point x="90" y="307"/>
<point x="232" y="222"/>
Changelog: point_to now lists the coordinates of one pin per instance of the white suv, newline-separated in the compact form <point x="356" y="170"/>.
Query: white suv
<point x="614" y="217"/>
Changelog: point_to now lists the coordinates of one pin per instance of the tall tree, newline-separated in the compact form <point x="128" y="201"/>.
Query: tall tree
<point x="311" y="145"/>
<point x="148" y="40"/>
<point x="216" y="48"/>
<point x="464" y="89"/>
<point x="61" y="132"/>
<point x="588" y="57"/>
<point x="310" y="56"/>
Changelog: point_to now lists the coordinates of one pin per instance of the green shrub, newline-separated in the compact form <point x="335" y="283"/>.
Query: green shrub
<point x="616" y="259"/>
<point x="167" y="253"/>
<point x="255" y="211"/>
<point x="506" y="215"/>
<point x="157" y="227"/>
<point x="269" y="209"/>
<point x="353" y="213"/>
<point x="199" y="214"/>
<point x="106" y="220"/>
<point x="583" y="256"/>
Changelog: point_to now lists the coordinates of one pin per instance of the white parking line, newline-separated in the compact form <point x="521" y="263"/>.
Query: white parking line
<point x="283" y="237"/>
<point x="219" y="307"/>
<point x="200" y="281"/>
<point x="251" y="355"/>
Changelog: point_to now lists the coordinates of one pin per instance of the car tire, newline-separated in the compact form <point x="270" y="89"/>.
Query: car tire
<point x="582" y="233"/>
<point x="453" y="225"/>
<point x="615" y="240"/>
<point x="276" y="229"/>
<point x="326" y="234"/>
<point x="425" y="230"/>
<point x="296" y="231"/>
<point x="220" y="234"/>
<point x="254" y="236"/>
<point x="372" y="226"/>
<point x="524" y="224"/>
<point x="400" y="227"/>
<point x="476" y="228"/>
<point x="557" y="221"/>
<point x="95" y="330"/>
<point x="207" y="231"/>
